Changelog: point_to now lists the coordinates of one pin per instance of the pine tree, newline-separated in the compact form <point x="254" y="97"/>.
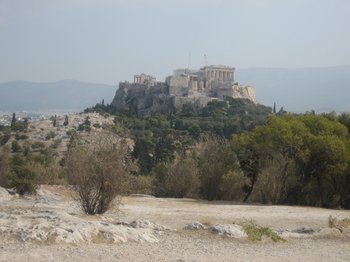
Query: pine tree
<point x="54" y="121"/>
<point x="65" y="123"/>
<point x="13" y="119"/>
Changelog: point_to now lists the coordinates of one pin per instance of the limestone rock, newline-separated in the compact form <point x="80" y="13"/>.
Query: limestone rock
<point x="246" y="92"/>
<point x="195" y="226"/>
<point x="329" y="232"/>
<point x="4" y="195"/>
<point x="233" y="230"/>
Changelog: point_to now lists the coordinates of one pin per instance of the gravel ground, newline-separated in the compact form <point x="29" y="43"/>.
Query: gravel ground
<point x="185" y="247"/>
<point x="176" y="244"/>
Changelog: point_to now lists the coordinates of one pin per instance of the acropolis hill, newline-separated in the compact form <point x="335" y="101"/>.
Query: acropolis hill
<point x="147" y="96"/>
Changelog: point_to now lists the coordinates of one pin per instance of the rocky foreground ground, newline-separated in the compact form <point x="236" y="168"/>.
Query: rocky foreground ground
<point x="51" y="227"/>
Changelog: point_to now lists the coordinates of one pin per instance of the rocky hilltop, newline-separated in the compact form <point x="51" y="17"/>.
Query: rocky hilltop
<point x="196" y="88"/>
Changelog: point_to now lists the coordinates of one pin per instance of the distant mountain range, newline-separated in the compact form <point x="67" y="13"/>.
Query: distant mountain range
<point x="297" y="90"/>
<point x="65" y="95"/>
<point x="302" y="89"/>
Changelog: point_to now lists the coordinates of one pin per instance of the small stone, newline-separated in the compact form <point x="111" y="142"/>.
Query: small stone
<point x="195" y="226"/>
<point x="234" y="231"/>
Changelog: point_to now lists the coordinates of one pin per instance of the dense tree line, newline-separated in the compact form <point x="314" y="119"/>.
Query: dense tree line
<point x="271" y="158"/>
<point x="304" y="159"/>
<point x="158" y="137"/>
<point x="230" y="150"/>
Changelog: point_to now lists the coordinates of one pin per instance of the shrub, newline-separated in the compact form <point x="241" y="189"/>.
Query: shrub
<point x="275" y="180"/>
<point x="71" y="132"/>
<point x="50" y="135"/>
<point x="99" y="171"/>
<point x="15" y="146"/>
<point x="38" y="145"/>
<point x="56" y="143"/>
<point x="141" y="184"/>
<point x="256" y="232"/>
<point x="20" y="136"/>
<point x="215" y="159"/>
<point x="181" y="178"/>
<point x="340" y="224"/>
<point x="232" y="185"/>
<point x="50" y="175"/>
<point x="5" y="138"/>
<point x="19" y="126"/>
<point x="4" y="167"/>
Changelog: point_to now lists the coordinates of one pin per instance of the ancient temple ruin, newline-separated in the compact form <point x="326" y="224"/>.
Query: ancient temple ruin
<point x="185" y="86"/>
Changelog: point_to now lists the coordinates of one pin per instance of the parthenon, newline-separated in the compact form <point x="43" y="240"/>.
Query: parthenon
<point x="205" y="80"/>
<point x="219" y="73"/>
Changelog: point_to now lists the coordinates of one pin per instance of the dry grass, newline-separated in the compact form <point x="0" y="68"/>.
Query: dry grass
<point x="340" y="224"/>
<point x="207" y="221"/>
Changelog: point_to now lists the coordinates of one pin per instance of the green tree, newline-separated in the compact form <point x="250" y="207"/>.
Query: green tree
<point x="318" y="146"/>
<point x="22" y="177"/>
<point x="144" y="152"/>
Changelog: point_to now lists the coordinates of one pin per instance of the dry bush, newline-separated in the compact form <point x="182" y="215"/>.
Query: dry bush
<point x="181" y="178"/>
<point x="207" y="221"/>
<point x="232" y="185"/>
<point x="141" y="184"/>
<point x="274" y="181"/>
<point x="215" y="159"/>
<point x="340" y="224"/>
<point x="99" y="168"/>
<point x="4" y="166"/>
<point x="52" y="174"/>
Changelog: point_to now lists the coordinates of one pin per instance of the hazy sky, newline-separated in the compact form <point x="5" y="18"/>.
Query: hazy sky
<point x="107" y="41"/>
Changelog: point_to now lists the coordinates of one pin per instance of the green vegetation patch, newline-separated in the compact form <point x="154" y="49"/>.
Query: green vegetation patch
<point x="256" y="232"/>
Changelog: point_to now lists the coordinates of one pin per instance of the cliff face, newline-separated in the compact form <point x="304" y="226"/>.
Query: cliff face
<point x="144" y="100"/>
<point x="246" y="92"/>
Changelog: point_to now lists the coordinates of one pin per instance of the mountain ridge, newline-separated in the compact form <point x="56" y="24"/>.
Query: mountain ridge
<point x="67" y="94"/>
